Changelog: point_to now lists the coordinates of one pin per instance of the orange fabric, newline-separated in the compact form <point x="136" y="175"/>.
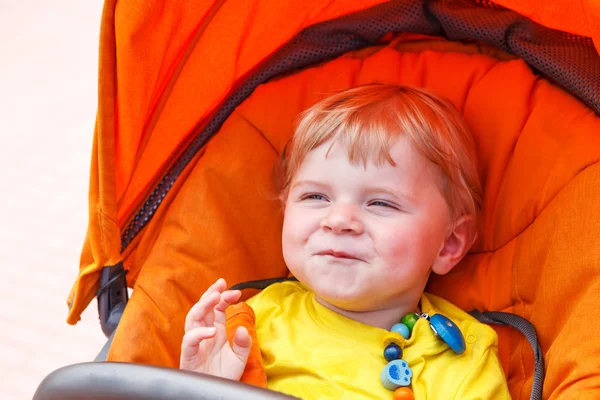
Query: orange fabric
<point x="537" y="253"/>
<point x="221" y="221"/>
<point x="172" y="66"/>
<point x="239" y="315"/>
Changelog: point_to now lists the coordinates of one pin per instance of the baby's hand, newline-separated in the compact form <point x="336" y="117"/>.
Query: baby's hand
<point x="205" y="347"/>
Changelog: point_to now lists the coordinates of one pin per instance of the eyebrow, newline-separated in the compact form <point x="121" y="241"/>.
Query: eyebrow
<point x="309" y="182"/>
<point x="394" y="193"/>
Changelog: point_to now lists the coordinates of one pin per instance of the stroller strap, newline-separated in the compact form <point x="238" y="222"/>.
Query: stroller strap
<point x="527" y="329"/>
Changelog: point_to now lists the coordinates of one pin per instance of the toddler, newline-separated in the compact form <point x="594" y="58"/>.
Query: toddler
<point x="380" y="190"/>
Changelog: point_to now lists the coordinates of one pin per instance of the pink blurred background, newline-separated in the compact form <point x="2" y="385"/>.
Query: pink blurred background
<point x="48" y="75"/>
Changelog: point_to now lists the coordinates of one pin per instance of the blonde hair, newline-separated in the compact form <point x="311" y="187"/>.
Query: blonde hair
<point x="368" y="118"/>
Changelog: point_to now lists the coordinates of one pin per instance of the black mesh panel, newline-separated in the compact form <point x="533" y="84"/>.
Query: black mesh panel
<point x="570" y="61"/>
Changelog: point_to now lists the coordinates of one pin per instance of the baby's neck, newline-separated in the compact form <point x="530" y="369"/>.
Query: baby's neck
<point x="383" y="319"/>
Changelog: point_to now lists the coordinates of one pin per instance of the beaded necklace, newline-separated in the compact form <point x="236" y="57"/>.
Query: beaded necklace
<point x="396" y="375"/>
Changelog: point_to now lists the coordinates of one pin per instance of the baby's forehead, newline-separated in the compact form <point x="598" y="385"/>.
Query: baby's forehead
<point x="401" y="166"/>
<point x="400" y="151"/>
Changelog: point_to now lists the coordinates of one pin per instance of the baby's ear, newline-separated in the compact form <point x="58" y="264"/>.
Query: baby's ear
<point x="456" y="245"/>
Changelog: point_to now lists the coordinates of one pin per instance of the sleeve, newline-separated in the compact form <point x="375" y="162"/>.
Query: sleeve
<point x="485" y="380"/>
<point x="241" y="314"/>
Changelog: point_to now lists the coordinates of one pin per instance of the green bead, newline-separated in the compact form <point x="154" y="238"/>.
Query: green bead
<point x="410" y="320"/>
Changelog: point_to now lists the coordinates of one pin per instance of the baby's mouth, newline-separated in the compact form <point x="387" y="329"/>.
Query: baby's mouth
<point x="338" y="254"/>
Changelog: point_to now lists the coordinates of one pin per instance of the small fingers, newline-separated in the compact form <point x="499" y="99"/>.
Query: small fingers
<point x="219" y="286"/>
<point x="199" y="312"/>
<point x="227" y="298"/>
<point x="190" y="345"/>
<point x="241" y="343"/>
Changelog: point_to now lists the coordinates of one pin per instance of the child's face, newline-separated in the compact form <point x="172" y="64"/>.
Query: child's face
<point x="365" y="239"/>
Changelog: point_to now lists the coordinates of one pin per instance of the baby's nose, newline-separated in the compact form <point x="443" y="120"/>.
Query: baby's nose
<point x="343" y="218"/>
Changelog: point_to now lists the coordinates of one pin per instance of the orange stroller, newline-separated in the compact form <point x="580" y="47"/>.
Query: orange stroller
<point x="196" y="103"/>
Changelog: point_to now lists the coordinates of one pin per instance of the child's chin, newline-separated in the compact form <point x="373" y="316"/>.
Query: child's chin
<point x="344" y="299"/>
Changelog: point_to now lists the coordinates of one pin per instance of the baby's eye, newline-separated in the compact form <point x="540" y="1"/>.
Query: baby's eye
<point x="384" y="204"/>
<point x="314" y="196"/>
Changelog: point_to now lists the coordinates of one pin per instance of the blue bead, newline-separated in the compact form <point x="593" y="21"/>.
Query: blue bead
<point x="395" y="374"/>
<point x="401" y="329"/>
<point x="449" y="332"/>
<point x="392" y="352"/>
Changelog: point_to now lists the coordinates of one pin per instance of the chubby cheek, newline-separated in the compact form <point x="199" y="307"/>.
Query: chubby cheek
<point x="401" y="247"/>
<point x="299" y="224"/>
<point x="287" y="240"/>
<point x="293" y="238"/>
<point x="392" y="251"/>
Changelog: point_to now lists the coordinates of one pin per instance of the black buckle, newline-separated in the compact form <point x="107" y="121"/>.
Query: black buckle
<point x="112" y="297"/>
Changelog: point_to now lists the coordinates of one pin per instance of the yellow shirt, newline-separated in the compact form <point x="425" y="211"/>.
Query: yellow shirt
<point x="312" y="352"/>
